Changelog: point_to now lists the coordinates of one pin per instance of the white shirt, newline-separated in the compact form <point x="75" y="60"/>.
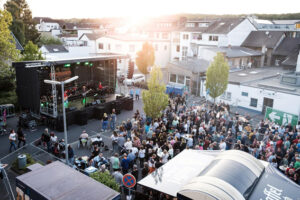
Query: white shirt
<point x="142" y="153"/>
<point x="222" y="146"/>
<point x="134" y="150"/>
<point x="13" y="136"/>
<point x="165" y="158"/>
<point x="128" y="145"/>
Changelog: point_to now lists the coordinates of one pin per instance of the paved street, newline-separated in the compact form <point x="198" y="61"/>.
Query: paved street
<point x="74" y="131"/>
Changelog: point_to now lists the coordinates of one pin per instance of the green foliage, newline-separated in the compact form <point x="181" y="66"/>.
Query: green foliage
<point x="106" y="179"/>
<point x="32" y="52"/>
<point x="287" y="16"/>
<point x="217" y="76"/>
<point x="46" y="40"/>
<point x="29" y="161"/>
<point x="23" y="25"/>
<point x="155" y="99"/>
<point x="145" y="58"/>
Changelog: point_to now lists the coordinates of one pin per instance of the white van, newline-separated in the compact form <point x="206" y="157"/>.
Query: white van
<point x="136" y="78"/>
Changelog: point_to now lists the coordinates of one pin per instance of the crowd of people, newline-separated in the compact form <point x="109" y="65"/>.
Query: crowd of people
<point x="150" y="143"/>
<point x="144" y="144"/>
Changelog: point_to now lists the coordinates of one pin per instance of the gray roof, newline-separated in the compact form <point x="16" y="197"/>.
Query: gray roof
<point x="59" y="181"/>
<point x="53" y="48"/>
<point x="273" y="83"/>
<point x="92" y="36"/>
<point x="18" y="45"/>
<point x="191" y="64"/>
<point x="224" y="25"/>
<point x="259" y="38"/>
<point x="254" y="74"/>
<point x="287" y="46"/>
<point x="235" y="51"/>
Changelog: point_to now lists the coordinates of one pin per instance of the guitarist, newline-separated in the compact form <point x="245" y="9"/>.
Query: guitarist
<point x="84" y="93"/>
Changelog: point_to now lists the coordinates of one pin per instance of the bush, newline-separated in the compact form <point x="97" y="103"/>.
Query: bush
<point x="106" y="179"/>
<point x="29" y="161"/>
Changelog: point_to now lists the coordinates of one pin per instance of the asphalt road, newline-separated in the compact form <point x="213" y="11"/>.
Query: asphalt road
<point x="93" y="127"/>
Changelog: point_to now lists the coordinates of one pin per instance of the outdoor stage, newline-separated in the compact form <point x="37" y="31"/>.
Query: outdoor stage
<point x="89" y="96"/>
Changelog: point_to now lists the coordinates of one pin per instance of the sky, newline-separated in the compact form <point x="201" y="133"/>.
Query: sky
<point x="152" y="8"/>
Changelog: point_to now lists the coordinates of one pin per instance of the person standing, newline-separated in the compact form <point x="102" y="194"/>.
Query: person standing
<point x="113" y="119"/>
<point x="12" y="139"/>
<point x="131" y="92"/>
<point x="104" y="122"/>
<point x="125" y="164"/>
<point x="71" y="155"/>
<point x="21" y="137"/>
<point x="137" y="94"/>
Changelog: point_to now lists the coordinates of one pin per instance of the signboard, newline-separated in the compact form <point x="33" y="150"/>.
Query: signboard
<point x="129" y="180"/>
<point x="280" y="117"/>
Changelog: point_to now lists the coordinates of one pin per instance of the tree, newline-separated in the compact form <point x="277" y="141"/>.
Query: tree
<point x="217" y="76"/>
<point x="32" y="52"/>
<point x="145" y="58"/>
<point x="155" y="99"/>
<point x="23" y="25"/>
<point x="8" y="53"/>
<point x="46" y="40"/>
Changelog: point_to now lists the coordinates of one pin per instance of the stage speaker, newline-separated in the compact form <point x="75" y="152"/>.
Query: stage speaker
<point x="81" y="118"/>
<point x="59" y="123"/>
<point x="98" y="112"/>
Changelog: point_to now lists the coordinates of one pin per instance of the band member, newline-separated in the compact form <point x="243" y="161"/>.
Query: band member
<point x="84" y="92"/>
<point x="66" y="96"/>
<point x="100" y="87"/>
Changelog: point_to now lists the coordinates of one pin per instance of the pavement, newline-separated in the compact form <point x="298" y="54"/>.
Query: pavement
<point x="93" y="128"/>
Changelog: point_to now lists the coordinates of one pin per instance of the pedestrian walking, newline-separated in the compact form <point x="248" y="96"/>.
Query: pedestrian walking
<point x="12" y="140"/>
<point x="104" y="122"/>
<point x="21" y="137"/>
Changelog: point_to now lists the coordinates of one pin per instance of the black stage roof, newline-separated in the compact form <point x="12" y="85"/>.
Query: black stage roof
<point x="41" y="63"/>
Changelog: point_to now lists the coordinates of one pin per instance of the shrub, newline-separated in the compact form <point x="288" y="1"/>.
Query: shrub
<point x="106" y="179"/>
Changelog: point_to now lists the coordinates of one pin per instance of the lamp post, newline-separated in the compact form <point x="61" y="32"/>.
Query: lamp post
<point x="64" y="110"/>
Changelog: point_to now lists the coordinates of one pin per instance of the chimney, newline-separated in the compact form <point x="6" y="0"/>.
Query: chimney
<point x="298" y="64"/>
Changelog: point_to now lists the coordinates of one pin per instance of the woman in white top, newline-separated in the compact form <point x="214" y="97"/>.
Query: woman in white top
<point x="165" y="157"/>
<point x="141" y="156"/>
<point x="12" y="139"/>
<point x="128" y="144"/>
<point x="171" y="151"/>
<point x="114" y="137"/>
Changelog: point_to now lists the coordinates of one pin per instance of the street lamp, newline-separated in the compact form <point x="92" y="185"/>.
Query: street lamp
<point x="64" y="111"/>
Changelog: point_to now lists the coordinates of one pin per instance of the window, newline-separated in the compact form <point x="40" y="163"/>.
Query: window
<point x="190" y="25"/>
<point x="165" y="36"/>
<point x="244" y="94"/>
<point x="156" y="47"/>
<point x="253" y="102"/>
<point x="132" y="48"/>
<point x="166" y="47"/>
<point x="108" y="47"/>
<point x="213" y="38"/>
<point x="185" y="36"/>
<point x="184" y="51"/>
<point x="100" y="46"/>
<point x="157" y="35"/>
<point x="173" y="78"/>
<point x="178" y="48"/>
<point x="228" y="96"/>
<point x="180" y="79"/>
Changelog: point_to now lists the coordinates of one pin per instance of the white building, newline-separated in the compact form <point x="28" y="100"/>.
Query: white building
<point x="49" y="28"/>
<point x="257" y="88"/>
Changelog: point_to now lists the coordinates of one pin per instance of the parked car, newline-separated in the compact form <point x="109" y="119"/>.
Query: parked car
<point x="136" y="78"/>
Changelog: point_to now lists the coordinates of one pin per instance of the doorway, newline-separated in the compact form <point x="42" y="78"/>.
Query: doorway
<point x="267" y="102"/>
